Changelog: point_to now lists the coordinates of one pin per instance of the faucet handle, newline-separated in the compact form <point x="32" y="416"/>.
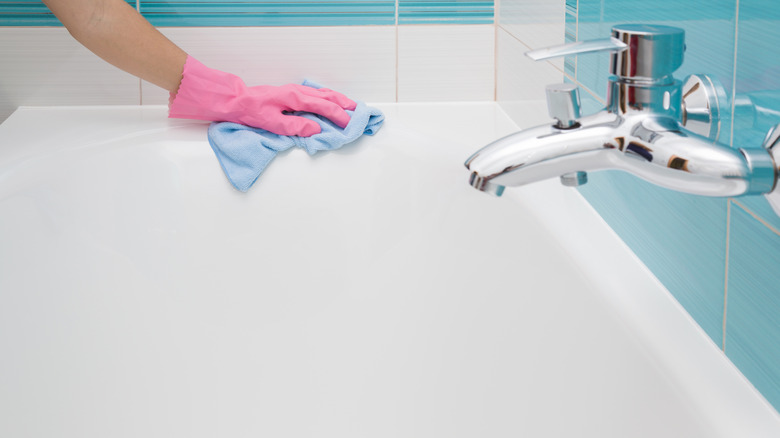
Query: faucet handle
<point x="771" y="143"/>
<point x="654" y="53"/>
<point x="639" y="51"/>
<point x="563" y="104"/>
<point x="611" y="44"/>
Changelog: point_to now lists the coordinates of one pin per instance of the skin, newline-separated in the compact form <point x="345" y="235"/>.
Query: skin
<point x="116" y="32"/>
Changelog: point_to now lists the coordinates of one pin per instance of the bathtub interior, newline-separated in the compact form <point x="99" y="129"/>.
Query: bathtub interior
<point x="367" y="291"/>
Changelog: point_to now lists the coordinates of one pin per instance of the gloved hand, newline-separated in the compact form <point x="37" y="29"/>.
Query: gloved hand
<point x="208" y="94"/>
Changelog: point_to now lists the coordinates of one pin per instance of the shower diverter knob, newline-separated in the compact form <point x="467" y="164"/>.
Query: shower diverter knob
<point x="563" y="104"/>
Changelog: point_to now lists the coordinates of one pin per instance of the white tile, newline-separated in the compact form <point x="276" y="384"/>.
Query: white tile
<point x="358" y="61"/>
<point x="538" y="23"/>
<point x="46" y="66"/>
<point x="521" y="80"/>
<point x="446" y="63"/>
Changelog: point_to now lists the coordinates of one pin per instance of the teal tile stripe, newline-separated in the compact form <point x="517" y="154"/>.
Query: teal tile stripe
<point x="440" y="11"/>
<point x="193" y="13"/>
<point x="29" y="13"/>
<point x="205" y="13"/>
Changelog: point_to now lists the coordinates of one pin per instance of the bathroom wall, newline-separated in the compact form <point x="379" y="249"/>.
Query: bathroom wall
<point x="718" y="257"/>
<point x="373" y="50"/>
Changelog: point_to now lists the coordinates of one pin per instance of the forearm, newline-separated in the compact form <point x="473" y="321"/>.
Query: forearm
<point x="113" y="30"/>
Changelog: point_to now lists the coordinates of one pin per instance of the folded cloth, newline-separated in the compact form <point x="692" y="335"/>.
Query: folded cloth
<point x="244" y="152"/>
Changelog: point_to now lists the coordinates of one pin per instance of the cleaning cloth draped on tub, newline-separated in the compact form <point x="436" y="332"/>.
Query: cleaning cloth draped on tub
<point x="244" y="152"/>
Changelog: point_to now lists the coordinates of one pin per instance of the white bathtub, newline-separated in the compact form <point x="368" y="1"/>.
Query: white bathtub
<point x="366" y="292"/>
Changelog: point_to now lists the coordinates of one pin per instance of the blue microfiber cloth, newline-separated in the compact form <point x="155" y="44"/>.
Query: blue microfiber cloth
<point x="244" y="152"/>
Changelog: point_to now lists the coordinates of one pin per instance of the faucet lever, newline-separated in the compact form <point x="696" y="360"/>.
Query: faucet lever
<point x="611" y="44"/>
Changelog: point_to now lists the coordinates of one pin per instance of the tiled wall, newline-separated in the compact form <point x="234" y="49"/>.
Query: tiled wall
<point x="209" y="13"/>
<point x="391" y="51"/>
<point x="718" y="257"/>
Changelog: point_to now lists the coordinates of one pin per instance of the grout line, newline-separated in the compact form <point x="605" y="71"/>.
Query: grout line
<point x="726" y="276"/>
<point x="734" y="79"/>
<point x="576" y="38"/>
<point x="397" y="50"/>
<point x="511" y="35"/>
<point x="587" y="90"/>
<point x="757" y="217"/>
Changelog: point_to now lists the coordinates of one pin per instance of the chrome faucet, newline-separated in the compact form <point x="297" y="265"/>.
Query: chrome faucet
<point x="641" y="130"/>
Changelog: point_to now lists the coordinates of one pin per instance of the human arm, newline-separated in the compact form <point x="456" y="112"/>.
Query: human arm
<point x="116" y="32"/>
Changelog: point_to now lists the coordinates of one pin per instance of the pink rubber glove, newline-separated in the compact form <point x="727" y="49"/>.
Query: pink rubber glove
<point x="208" y="94"/>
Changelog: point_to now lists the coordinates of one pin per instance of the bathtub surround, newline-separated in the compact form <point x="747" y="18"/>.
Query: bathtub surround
<point x="45" y="66"/>
<point x="215" y="331"/>
<point x="715" y="255"/>
<point x="189" y="13"/>
<point x="370" y="50"/>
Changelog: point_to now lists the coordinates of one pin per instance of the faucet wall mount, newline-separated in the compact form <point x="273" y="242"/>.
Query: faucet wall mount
<point x="649" y="128"/>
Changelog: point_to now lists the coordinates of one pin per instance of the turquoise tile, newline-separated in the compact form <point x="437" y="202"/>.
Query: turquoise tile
<point x="680" y="237"/>
<point x="709" y="35"/>
<point x="753" y="315"/>
<point x="758" y="79"/>
<point x="187" y="13"/>
<point x="219" y="13"/>
<point x="29" y="13"/>
<point x="760" y="206"/>
<point x="445" y="12"/>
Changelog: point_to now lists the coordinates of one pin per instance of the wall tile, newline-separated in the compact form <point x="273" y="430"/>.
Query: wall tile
<point x="445" y="11"/>
<point x="758" y="81"/>
<point x="680" y="237"/>
<point x="537" y="23"/>
<point x="526" y="25"/>
<point x="446" y="63"/>
<point x="520" y="80"/>
<point x="46" y="66"/>
<point x="259" y="13"/>
<point x="752" y="327"/>
<point x="356" y="60"/>
<point x="30" y="13"/>
<point x="709" y="34"/>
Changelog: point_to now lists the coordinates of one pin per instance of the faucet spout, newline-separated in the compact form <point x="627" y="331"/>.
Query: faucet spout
<point x="654" y="148"/>
<point x="639" y="130"/>
<point x="542" y="152"/>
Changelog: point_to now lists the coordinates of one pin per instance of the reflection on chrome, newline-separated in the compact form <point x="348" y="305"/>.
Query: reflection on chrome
<point x="640" y="130"/>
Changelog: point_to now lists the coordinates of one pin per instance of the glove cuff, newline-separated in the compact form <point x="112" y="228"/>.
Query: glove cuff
<point x="205" y="94"/>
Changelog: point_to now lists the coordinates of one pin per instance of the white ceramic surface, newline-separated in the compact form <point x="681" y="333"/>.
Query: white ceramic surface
<point x="446" y="63"/>
<point x="46" y="66"/>
<point x="520" y="79"/>
<point x="358" y="61"/>
<point x="365" y="292"/>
